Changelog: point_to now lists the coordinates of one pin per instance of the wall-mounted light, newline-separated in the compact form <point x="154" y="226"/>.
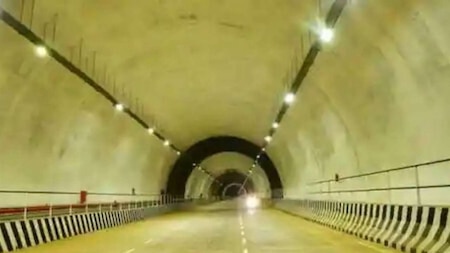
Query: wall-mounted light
<point x="151" y="130"/>
<point x="119" y="107"/>
<point x="289" y="98"/>
<point x="275" y="125"/>
<point x="178" y="153"/>
<point x="326" y="34"/>
<point x="268" y="138"/>
<point x="41" y="51"/>
<point x="166" y="143"/>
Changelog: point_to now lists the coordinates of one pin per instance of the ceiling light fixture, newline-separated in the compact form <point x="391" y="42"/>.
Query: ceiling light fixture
<point x="268" y="138"/>
<point x="41" y="51"/>
<point x="166" y="143"/>
<point x="289" y="98"/>
<point x="275" y="125"/>
<point x="326" y="35"/>
<point x="151" y="130"/>
<point x="119" y="107"/>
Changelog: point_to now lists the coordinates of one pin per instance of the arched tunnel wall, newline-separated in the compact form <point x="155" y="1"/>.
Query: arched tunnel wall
<point x="200" y="183"/>
<point x="239" y="182"/>
<point x="183" y="167"/>
<point x="57" y="134"/>
<point x="375" y="100"/>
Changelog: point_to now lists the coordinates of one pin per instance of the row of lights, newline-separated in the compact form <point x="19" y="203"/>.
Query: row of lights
<point x="289" y="98"/>
<point x="151" y="130"/>
<point x="201" y="169"/>
<point x="42" y="51"/>
<point x="325" y="35"/>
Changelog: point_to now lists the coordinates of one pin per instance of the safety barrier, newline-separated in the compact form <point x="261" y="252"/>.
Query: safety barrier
<point x="14" y="213"/>
<point x="407" y="228"/>
<point x="22" y="227"/>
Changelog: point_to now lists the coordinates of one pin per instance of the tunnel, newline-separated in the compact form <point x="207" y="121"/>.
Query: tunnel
<point x="225" y="126"/>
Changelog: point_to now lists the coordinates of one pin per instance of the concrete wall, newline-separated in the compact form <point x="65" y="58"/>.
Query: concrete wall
<point x="376" y="98"/>
<point x="57" y="134"/>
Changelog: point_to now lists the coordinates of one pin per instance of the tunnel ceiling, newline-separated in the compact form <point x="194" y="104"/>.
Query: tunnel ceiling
<point x="195" y="68"/>
<point x="213" y="68"/>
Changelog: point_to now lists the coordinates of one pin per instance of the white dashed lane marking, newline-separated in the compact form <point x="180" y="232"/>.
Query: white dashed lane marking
<point x="244" y="240"/>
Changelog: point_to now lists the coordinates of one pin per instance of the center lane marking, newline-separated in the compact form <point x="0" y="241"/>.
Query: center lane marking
<point x="148" y="241"/>
<point x="244" y="240"/>
<point x="130" y="250"/>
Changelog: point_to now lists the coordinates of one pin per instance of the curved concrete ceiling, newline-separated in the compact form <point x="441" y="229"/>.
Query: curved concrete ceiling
<point x="375" y="98"/>
<point x="198" y="68"/>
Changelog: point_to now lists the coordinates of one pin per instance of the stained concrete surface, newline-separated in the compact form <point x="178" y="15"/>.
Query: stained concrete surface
<point x="376" y="97"/>
<point x="216" y="231"/>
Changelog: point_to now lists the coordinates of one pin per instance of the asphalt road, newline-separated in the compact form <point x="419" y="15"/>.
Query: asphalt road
<point x="215" y="231"/>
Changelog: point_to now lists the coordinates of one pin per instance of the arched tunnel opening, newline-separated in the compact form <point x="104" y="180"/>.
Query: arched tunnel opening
<point x="225" y="126"/>
<point x="197" y="153"/>
<point x="232" y="184"/>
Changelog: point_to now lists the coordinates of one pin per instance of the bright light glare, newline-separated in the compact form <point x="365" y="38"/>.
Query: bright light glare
<point x="166" y="143"/>
<point x="275" y="125"/>
<point x="289" y="98"/>
<point x="326" y="35"/>
<point x="252" y="202"/>
<point x="268" y="138"/>
<point x="119" y="107"/>
<point x="41" y="51"/>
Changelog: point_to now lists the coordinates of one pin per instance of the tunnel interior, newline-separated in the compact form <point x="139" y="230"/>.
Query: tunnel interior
<point x="336" y="111"/>
<point x="197" y="153"/>
<point x="232" y="183"/>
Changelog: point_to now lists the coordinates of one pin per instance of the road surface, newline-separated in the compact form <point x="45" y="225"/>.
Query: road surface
<point x="215" y="231"/>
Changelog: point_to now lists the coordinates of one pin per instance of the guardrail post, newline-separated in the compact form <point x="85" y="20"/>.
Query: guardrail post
<point x="100" y="207"/>
<point x="419" y="199"/>
<point x="110" y="207"/>
<point x="86" y="208"/>
<point x="50" y="210"/>
<point x="70" y="209"/>
<point x="25" y="210"/>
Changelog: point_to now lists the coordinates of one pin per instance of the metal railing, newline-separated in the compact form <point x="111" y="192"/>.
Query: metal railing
<point x="28" y="211"/>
